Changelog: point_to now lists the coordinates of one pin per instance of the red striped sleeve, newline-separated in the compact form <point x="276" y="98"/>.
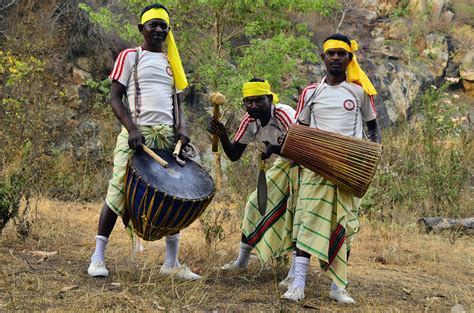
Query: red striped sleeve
<point x="118" y="68"/>
<point x="372" y="102"/>
<point x="282" y="120"/>
<point x="244" y="124"/>
<point x="300" y="105"/>
<point x="283" y="117"/>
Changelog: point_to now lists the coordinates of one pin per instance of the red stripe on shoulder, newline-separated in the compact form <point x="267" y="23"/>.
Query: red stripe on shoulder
<point x="282" y="120"/>
<point x="117" y="71"/>
<point x="284" y="116"/>
<point x="243" y="127"/>
<point x="372" y="102"/>
<point x="300" y="105"/>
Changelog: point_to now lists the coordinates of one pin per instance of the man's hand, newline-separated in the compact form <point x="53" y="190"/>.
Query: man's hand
<point x="135" y="139"/>
<point x="269" y="150"/>
<point x="217" y="128"/>
<point x="181" y="134"/>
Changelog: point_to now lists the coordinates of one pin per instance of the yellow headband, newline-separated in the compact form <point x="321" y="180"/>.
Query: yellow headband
<point x="255" y="89"/>
<point x="173" y="55"/>
<point x="354" y="71"/>
<point x="155" y="13"/>
<point x="338" y="44"/>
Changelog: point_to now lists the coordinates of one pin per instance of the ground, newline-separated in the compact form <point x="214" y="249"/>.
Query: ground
<point x="392" y="268"/>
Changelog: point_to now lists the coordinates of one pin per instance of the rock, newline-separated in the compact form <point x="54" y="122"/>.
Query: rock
<point x="437" y="50"/>
<point x="399" y="29"/>
<point x="80" y="76"/>
<point x="433" y="7"/>
<point x="458" y="308"/>
<point x="467" y="72"/>
<point x="84" y="64"/>
<point x="380" y="259"/>
<point x="447" y="17"/>
<point x="364" y="13"/>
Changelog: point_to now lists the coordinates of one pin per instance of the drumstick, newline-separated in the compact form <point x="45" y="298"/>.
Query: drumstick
<point x="177" y="148"/>
<point x="155" y="156"/>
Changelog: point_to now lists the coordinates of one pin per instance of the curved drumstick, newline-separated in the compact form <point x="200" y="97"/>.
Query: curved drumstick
<point x="155" y="156"/>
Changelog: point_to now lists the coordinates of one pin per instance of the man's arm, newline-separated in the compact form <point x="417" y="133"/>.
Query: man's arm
<point x="233" y="150"/>
<point x="374" y="132"/>
<point x="181" y="132"/>
<point x="135" y="138"/>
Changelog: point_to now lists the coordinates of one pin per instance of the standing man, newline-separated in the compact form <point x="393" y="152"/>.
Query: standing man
<point x="266" y="121"/>
<point x="149" y="78"/>
<point x="325" y="216"/>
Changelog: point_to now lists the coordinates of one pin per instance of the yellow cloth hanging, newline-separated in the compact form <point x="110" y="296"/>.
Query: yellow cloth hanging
<point x="354" y="72"/>
<point x="173" y="55"/>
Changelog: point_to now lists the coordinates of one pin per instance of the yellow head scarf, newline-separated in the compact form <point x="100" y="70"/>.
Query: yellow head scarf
<point x="173" y="55"/>
<point x="255" y="89"/>
<point x="354" y="71"/>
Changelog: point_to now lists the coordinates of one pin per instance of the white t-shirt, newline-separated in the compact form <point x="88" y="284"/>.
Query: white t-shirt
<point x="339" y="109"/>
<point x="250" y="129"/>
<point x="155" y="83"/>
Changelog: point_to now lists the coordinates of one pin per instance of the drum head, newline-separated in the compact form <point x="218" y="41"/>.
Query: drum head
<point x="190" y="181"/>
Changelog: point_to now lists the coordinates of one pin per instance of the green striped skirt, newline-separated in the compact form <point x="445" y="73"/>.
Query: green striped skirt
<point x="271" y="234"/>
<point x="313" y="214"/>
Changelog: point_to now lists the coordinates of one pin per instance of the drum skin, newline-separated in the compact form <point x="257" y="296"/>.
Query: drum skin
<point x="162" y="201"/>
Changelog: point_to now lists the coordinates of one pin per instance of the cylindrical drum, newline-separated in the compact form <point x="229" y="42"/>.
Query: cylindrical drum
<point x="162" y="201"/>
<point x="348" y="162"/>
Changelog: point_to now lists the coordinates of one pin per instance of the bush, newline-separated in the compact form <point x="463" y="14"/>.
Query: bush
<point x="425" y="166"/>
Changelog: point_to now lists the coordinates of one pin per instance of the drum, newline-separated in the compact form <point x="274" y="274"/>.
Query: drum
<point x="348" y="162"/>
<point x="162" y="201"/>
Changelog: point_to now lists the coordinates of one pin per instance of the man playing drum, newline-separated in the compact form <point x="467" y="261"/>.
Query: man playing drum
<point x="266" y="121"/>
<point x="325" y="218"/>
<point x="149" y="76"/>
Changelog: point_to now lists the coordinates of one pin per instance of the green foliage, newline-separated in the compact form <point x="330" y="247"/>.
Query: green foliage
<point x="112" y="23"/>
<point x="11" y="192"/>
<point x="425" y="168"/>
<point x="101" y="90"/>
<point x="402" y="9"/>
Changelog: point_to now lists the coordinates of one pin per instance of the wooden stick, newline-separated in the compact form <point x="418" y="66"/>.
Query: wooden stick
<point x="177" y="148"/>
<point x="215" y="139"/>
<point x="217" y="99"/>
<point x="155" y="156"/>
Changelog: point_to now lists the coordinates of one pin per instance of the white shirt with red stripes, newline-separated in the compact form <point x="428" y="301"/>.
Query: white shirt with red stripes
<point x="340" y="109"/>
<point x="155" y="86"/>
<point x="250" y="129"/>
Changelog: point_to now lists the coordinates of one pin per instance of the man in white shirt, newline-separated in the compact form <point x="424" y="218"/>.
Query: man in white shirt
<point x="148" y="77"/>
<point x="325" y="216"/>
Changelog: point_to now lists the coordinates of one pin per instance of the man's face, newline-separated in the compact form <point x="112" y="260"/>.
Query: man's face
<point x="336" y="60"/>
<point x="155" y="31"/>
<point x="258" y="106"/>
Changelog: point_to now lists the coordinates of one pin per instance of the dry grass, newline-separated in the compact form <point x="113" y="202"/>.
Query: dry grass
<point x="421" y="272"/>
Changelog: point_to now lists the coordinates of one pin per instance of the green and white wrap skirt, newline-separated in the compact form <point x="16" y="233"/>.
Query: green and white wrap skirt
<point x="308" y="211"/>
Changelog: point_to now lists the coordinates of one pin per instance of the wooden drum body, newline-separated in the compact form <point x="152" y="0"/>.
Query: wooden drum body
<point x="162" y="201"/>
<point x="348" y="162"/>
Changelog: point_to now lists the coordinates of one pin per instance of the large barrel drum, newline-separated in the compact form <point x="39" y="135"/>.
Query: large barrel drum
<point x="162" y="201"/>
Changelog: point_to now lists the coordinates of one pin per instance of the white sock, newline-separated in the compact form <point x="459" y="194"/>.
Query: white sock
<point x="244" y="255"/>
<point x="291" y="272"/>
<point x="100" y="245"/>
<point x="172" y="248"/>
<point x="335" y="287"/>
<point x="301" y="268"/>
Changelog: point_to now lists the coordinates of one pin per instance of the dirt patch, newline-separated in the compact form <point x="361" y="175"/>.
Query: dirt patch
<point x="419" y="272"/>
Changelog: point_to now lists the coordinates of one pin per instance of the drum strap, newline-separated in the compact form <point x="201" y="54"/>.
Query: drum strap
<point x="137" y="87"/>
